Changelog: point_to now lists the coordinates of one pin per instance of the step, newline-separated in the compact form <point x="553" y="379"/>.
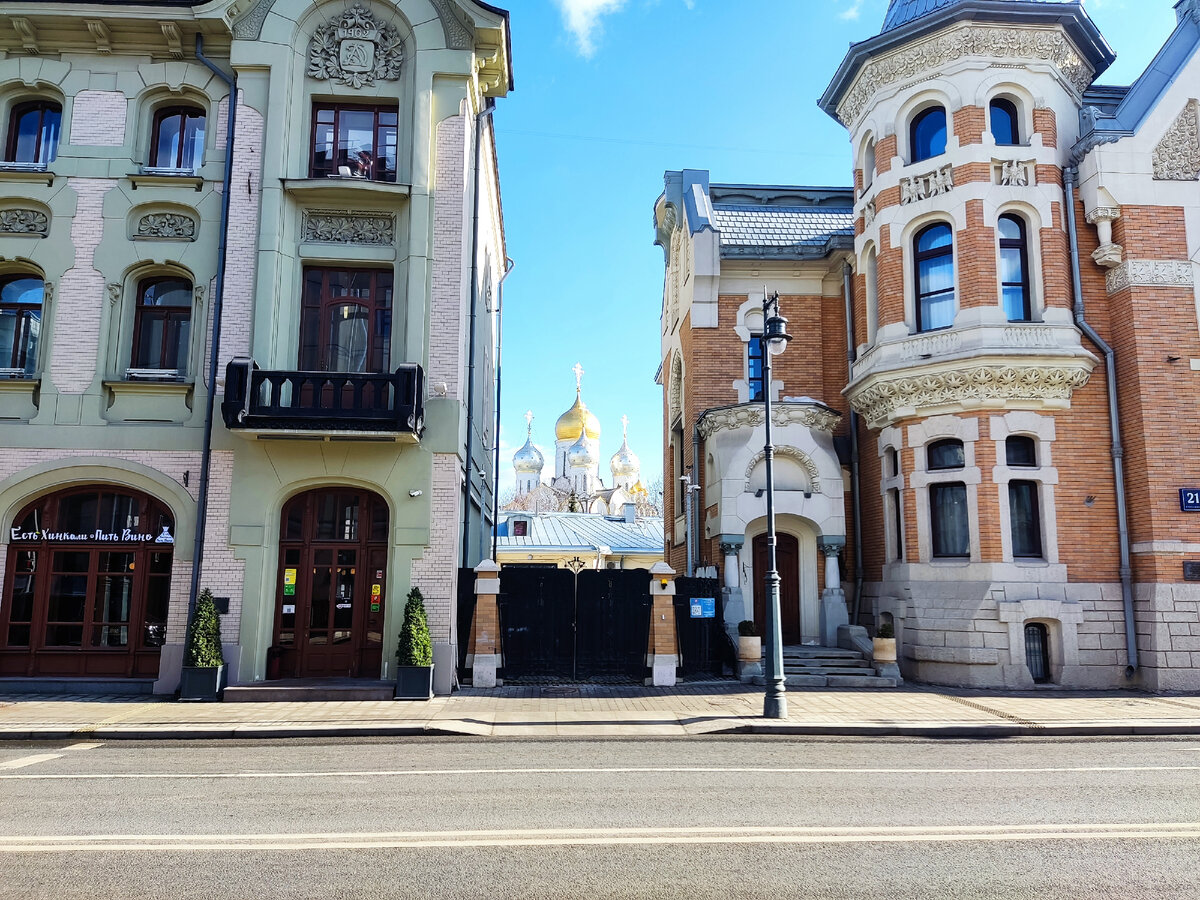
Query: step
<point x="819" y="663"/>
<point x="861" y="681"/>
<point x="315" y="692"/>
<point x="810" y="652"/>
<point x="96" y="686"/>
<point x="830" y="670"/>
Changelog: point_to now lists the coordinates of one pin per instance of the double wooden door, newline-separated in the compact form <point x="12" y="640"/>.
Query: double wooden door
<point x="787" y="563"/>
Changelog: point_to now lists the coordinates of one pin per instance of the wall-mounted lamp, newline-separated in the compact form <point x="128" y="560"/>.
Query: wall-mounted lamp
<point x="414" y="493"/>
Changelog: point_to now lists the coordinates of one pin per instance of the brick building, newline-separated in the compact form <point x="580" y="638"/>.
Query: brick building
<point x="354" y="272"/>
<point x="1005" y="533"/>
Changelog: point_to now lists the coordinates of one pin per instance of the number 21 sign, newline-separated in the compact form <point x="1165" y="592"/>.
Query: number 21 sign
<point x="1189" y="499"/>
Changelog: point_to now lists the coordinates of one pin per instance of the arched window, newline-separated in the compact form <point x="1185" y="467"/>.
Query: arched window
<point x="947" y="454"/>
<point x="21" y="298"/>
<point x="162" y="325"/>
<point x="1014" y="269"/>
<point x="934" y="267"/>
<point x="927" y="134"/>
<point x="868" y="164"/>
<point x="346" y="320"/>
<point x="33" y="132"/>
<point x="178" y="138"/>
<point x="1020" y="451"/>
<point x="1037" y="651"/>
<point x="872" y="295"/>
<point x="1006" y="128"/>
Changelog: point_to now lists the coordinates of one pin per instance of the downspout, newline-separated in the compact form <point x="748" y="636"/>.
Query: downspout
<point x="215" y="348"/>
<point x="469" y="460"/>
<point x="851" y="357"/>
<point x="697" y="506"/>
<point x="509" y="265"/>
<point x="1070" y="176"/>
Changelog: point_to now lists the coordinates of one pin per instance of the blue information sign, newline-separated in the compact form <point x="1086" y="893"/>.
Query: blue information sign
<point x="704" y="608"/>
<point x="1189" y="499"/>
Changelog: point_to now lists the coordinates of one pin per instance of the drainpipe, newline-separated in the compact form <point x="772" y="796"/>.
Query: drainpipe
<point x="214" y="350"/>
<point x="851" y="356"/>
<point x="1070" y="177"/>
<point x="469" y="461"/>
<point x="697" y="506"/>
<point x="509" y="265"/>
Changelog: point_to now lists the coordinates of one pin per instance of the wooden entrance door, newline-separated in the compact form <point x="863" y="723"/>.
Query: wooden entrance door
<point x="332" y="576"/>
<point x="787" y="560"/>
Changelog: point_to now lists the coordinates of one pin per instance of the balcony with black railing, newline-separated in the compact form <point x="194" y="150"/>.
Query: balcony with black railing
<point x="324" y="405"/>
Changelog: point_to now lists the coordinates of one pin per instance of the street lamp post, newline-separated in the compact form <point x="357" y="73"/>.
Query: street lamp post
<point x="774" y="339"/>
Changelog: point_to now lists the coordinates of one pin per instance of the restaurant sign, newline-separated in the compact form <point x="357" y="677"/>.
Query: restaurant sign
<point x="99" y="536"/>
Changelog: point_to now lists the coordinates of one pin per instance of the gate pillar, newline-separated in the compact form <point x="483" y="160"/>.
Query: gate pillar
<point x="664" y="647"/>
<point x="487" y="625"/>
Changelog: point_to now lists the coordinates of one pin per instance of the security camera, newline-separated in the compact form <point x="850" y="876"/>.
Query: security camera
<point x="414" y="493"/>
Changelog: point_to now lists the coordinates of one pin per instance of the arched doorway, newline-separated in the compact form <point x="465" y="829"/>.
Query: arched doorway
<point x="787" y="563"/>
<point x="329" y="612"/>
<point x="87" y="585"/>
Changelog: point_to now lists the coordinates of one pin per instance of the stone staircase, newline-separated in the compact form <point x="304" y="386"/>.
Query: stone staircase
<point x="830" y="667"/>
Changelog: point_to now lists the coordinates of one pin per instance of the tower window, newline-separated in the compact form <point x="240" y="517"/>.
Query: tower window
<point x="934" y="264"/>
<point x="947" y="454"/>
<point x="949" y="520"/>
<point x="1014" y="269"/>
<point x="1026" y="519"/>
<point x="1005" y="123"/>
<point x="1021" y="451"/>
<point x="928" y="134"/>
<point x="754" y="367"/>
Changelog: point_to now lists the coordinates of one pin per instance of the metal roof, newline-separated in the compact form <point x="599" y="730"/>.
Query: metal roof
<point x="901" y="12"/>
<point x="768" y="228"/>
<point x="583" y="532"/>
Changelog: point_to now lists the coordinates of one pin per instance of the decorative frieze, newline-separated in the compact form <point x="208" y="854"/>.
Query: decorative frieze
<point x="750" y="415"/>
<point x="166" y="227"/>
<point x="1014" y="172"/>
<point x="1177" y="156"/>
<point x="937" y="52"/>
<point x="1150" y="273"/>
<point x="24" y="221"/>
<point x="882" y="402"/>
<point x="922" y="187"/>
<point x="939" y="344"/>
<point x="355" y="50"/>
<point x="340" y="227"/>
<point x="1030" y="337"/>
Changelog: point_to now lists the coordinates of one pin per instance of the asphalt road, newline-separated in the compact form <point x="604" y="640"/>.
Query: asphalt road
<point x="732" y="818"/>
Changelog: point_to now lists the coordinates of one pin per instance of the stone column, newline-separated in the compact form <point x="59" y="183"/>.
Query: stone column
<point x="1108" y="255"/>
<point x="486" y="625"/>
<point x="731" y="590"/>
<point x="730" y="548"/>
<point x="664" y="652"/>
<point x="833" y="598"/>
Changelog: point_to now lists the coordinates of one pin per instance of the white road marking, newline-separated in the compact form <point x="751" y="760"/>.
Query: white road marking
<point x="618" y="770"/>
<point x="83" y="747"/>
<point x="29" y="760"/>
<point x="594" y="837"/>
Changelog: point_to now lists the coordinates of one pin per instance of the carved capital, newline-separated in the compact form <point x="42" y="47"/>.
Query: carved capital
<point x="1109" y="255"/>
<point x="114" y="292"/>
<point x="1104" y="214"/>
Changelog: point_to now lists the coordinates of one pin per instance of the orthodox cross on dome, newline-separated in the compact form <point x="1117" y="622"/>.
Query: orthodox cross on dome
<point x="625" y="427"/>
<point x="578" y="370"/>
<point x="529" y="421"/>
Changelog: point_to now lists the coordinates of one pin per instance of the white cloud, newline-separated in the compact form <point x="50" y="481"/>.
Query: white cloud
<point x="582" y="19"/>
<point x="852" y="11"/>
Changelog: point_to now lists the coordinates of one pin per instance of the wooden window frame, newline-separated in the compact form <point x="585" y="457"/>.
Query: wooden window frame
<point x="17" y="356"/>
<point x="186" y="111"/>
<point x="337" y="109"/>
<point x="18" y="112"/>
<point x="380" y="349"/>
<point x="168" y="314"/>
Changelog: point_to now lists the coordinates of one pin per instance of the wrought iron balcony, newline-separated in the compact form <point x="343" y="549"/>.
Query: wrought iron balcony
<point x="332" y="405"/>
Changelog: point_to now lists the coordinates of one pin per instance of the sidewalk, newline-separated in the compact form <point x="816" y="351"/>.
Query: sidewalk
<point x="595" y="710"/>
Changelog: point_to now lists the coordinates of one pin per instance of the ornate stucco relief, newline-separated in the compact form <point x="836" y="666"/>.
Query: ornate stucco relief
<point x="880" y="402"/>
<point x="355" y="50"/>
<point x="1015" y="172"/>
<point x="167" y="227"/>
<point x="921" y="187"/>
<point x="1150" y="273"/>
<point x="799" y="457"/>
<point x="339" y="227"/>
<point x="1177" y="156"/>
<point x="750" y="415"/>
<point x="972" y="40"/>
<point x="459" y="31"/>
<point x="24" y="221"/>
<point x="248" y="16"/>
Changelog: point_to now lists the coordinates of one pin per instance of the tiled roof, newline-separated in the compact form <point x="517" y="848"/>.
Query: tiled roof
<point x="901" y="12"/>
<point x="780" y="228"/>
<point x="584" y="531"/>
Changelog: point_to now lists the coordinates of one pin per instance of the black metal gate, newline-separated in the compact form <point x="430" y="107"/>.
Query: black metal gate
<point x="555" y="624"/>
<point x="702" y="641"/>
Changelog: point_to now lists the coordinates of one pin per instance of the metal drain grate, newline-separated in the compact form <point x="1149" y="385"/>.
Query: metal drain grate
<point x="560" y="692"/>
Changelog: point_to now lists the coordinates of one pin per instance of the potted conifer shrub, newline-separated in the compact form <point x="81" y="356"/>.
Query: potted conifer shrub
<point x="414" y="673"/>
<point x="885" y="644"/>
<point x="203" y="676"/>
<point x="749" y="642"/>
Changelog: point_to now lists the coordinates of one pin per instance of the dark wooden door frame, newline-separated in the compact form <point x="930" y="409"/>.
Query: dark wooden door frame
<point x="787" y="553"/>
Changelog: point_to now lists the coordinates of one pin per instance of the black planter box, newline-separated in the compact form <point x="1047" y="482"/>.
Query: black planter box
<point x="206" y="684"/>
<point x="414" y="682"/>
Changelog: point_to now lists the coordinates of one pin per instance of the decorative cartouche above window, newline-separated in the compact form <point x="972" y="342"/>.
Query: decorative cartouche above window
<point x="355" y="50"/>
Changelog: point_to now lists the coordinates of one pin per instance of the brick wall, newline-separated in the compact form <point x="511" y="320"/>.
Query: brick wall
<point x="975" y="260"/>
<point x="98" y="119"/>
<point x="80" y="299"/>
<point x="446" y="341"/>
<point x="436" y="572"/>
<point x="1045" y="123"/>
<point x="970" y="122"/>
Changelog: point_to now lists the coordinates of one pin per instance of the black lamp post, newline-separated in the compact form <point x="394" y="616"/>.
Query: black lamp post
<point x="774" y="339"/>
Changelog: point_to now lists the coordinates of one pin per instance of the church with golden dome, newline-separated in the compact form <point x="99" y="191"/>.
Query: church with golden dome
<point x="575" y="485"/>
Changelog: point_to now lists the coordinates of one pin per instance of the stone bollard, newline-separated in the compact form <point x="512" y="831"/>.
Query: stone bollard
<point x="664" y="655"/>
<point x="486" y="625"/>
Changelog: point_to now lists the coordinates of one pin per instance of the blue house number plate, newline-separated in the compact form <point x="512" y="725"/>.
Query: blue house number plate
<point x="704" y="608"/>
<point x="1189" y="499"/>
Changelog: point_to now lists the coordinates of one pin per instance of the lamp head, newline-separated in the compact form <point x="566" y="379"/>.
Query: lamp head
<point x="775" y="334"/>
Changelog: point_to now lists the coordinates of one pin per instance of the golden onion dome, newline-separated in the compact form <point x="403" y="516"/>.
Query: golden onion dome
<point x="570" y="424"/>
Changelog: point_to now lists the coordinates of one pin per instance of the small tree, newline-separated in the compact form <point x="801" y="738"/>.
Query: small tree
<point x="415" y="648"/>
<point x="204" y="635"/>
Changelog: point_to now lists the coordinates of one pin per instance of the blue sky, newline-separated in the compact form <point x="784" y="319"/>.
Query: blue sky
<point x="612" y="93"/>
